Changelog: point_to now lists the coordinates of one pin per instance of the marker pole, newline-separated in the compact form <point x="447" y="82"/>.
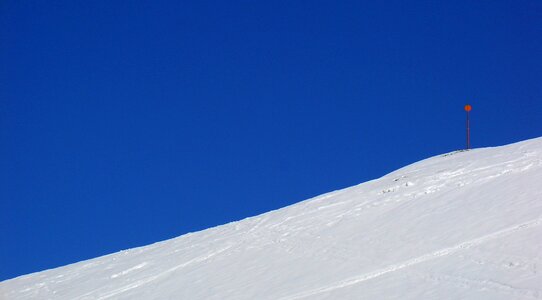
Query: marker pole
<point x="468" y="130"/>
<point x="468" y="108"/>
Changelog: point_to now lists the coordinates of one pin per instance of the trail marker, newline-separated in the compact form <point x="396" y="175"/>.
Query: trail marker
<point x="468" y="108"/>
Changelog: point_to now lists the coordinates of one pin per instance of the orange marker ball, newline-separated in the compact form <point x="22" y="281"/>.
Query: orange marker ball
<point x="468" y="107"/>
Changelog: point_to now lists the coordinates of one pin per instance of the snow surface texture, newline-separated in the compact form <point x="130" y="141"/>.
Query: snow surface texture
<point x="464" y="225"/>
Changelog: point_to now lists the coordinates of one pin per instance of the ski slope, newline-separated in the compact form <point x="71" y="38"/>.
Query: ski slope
<point x="464" y="225"/>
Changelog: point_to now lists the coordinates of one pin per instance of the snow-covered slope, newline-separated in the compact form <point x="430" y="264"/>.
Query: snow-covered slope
<point x="465" y="225"/>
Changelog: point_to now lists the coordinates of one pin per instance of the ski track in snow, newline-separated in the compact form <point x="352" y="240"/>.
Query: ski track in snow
<point x="139" y="266"/>
<point x="430" y="256"/>
<point x="144" y="281"/>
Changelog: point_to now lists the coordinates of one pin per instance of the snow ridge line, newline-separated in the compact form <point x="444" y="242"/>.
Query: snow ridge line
<point x="426" y="257"/>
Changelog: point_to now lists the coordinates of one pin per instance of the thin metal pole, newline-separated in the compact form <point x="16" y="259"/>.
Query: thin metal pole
<point x="468" y="131"/>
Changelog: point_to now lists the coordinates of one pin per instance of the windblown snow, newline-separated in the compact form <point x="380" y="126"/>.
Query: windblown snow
<point x="464" y="225"/>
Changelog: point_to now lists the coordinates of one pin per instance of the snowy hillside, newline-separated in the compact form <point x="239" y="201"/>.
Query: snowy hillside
<point x="465" y="225"/>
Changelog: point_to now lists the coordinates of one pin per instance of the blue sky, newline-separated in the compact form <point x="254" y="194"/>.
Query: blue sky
<point x="124" y="123"/>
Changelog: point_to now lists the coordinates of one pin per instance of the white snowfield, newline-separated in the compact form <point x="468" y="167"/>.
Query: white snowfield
<point x="464" y="225"/>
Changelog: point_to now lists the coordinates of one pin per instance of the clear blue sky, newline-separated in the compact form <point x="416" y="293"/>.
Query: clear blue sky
<point x="124" y="123"/>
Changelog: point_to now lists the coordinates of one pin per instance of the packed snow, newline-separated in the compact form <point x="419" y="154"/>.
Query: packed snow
<point x="464" y="225"/>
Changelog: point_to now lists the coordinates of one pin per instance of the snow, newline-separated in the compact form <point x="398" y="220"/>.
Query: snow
<point x="464" y="225"/>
